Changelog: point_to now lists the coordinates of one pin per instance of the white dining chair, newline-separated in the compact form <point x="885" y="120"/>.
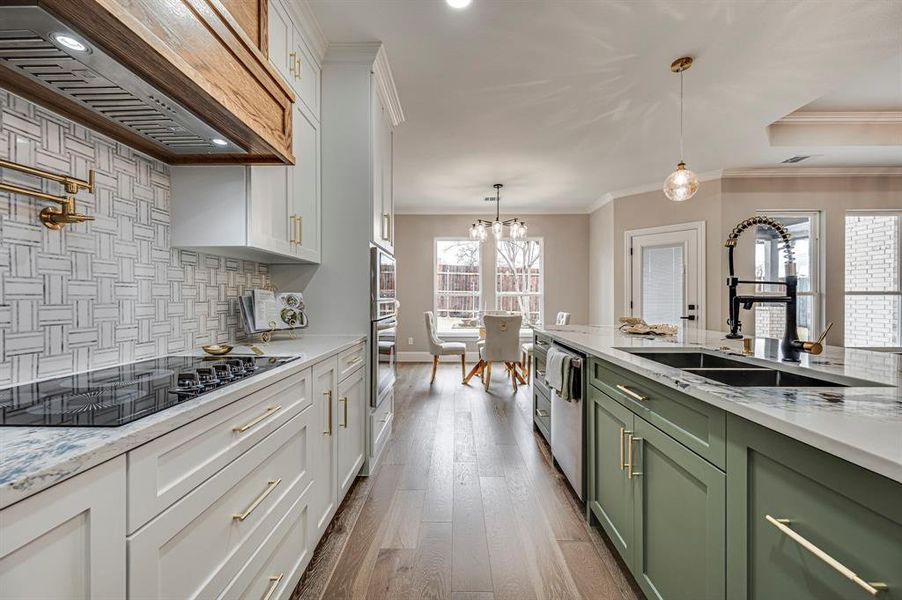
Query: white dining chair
<point x="562" y="318"/>
<point x="502" y="343"/>
<point x="439" y="348"/>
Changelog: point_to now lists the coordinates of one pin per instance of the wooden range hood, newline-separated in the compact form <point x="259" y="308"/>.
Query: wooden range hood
<point x="166" y="77"/>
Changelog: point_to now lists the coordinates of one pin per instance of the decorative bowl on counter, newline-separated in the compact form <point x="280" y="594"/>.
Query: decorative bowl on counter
<point x="217" y="349"/>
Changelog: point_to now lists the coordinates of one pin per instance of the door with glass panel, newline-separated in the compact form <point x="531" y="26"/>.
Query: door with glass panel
<point x="666" y="275"/>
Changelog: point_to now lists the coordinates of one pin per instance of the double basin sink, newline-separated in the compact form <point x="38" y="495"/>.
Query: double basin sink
<point x="741" y="373"/>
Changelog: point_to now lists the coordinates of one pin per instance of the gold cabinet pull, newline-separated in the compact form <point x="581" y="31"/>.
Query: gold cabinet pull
<point x="386" y="225"/>
<point x="292" y="68"/>
<point x="873" y="588"/>
<point x="622" y="433"/>
<point x="629" y="456"/>
<point x="291" y="238"/>
<point x="270" y="486"/>
<point x="328" y="395"/>
<point x="298" y="223"/>
<point x="542" y="413"/>
<point x="274" y="582"/>
<point x="631" y="393"/>
<point x="355" y="361"/>
<point x="299" y="70"/>
<point x="344" y="399"/>
<point x="269" y="411"/>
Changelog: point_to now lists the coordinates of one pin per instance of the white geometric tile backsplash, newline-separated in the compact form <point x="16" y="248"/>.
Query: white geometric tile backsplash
<point x="110" y="290"/>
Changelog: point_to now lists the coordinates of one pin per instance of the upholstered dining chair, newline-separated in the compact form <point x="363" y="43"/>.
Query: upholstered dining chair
<point x="439" y="348"/>
<point x="502" y="342"/>
<point x="562" y="318"/>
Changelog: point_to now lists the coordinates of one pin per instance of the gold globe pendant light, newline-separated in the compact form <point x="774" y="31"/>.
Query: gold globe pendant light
<point x="682" y="183"/>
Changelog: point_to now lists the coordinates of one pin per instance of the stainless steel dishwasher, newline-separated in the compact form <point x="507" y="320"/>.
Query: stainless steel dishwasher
<point x="568" y="423"/>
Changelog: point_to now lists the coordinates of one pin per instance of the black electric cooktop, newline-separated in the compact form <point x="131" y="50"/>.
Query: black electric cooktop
<point x="118" y="395"/>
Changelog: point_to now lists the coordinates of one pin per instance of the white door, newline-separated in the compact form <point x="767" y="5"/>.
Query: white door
<point x="305" y="200"/>
<point x="666" y="275"/>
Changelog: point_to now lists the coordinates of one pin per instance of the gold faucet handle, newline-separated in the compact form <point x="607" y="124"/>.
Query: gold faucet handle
<point x="818" y="346"/>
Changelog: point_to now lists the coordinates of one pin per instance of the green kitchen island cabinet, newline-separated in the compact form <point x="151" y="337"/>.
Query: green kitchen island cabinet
<point x="803" y="524"/>
<point x="661" y="504"/>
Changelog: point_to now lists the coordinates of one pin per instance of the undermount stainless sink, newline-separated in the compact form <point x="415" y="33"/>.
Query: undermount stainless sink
<point x="761" y="377"/>
<point x="742" y="373"/>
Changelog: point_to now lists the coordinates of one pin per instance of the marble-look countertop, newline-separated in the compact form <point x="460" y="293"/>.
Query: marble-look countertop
<point x="862" y="425"/>
<point x="35" y="458"/>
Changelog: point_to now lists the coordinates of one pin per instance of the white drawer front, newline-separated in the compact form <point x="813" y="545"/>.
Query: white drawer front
<point x="277" y="566"/>
<point x="351" y="359"/>
<point x="164" y="470"/>
<point x="198" y="545"/>
<point x="380" y="424"/>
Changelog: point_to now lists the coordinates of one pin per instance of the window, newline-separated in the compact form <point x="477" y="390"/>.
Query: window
<point x="458" y="295"/>
<point x="873" y="311"/>
<point x="770" y="265"/>
<point x="518" y="278"/>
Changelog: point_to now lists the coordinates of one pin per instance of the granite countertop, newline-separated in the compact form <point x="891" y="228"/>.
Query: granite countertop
<point x="35" y="458"/>
<point x="862" y="425"/>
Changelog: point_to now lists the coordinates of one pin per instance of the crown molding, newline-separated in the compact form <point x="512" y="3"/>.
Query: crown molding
<point x="385" y="87"/>
<point x="814" y="172"/>
<point x="310" y="27"/>
<point x="843" y="117"/>
<point x="514" y="212"/>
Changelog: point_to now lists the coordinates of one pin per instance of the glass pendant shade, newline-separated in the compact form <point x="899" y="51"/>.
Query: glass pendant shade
<point x="473" y="233"/>
<point x="481" y="232"/>
<point x="497" y="229"/>
<point x="681" y="184"/>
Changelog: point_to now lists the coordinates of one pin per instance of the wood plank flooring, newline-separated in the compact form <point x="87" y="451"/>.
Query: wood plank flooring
<point x="466" y="505"/>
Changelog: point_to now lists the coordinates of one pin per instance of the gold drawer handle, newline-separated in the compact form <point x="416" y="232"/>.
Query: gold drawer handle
<point x="328" y="395"/>
<point x="629" y="455"/>
<point x="356" y="361"/>
<point x="274" y="582"/>
<point x="299" y="228"/>
<point x="622" y="433"/>
<point x="271" y="485"/>
<point x="269" y="411"/>
<point x="292" y="68"/>
<point x="873" y="588"/>
<point x="631" y="393"/>
<point x="344" y="399"/>
<point x="542" y="413"/>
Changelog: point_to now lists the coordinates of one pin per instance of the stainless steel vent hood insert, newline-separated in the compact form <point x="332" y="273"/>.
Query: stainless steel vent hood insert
<point x="35" y="44"/>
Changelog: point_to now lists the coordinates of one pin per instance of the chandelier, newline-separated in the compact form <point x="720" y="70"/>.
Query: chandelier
<point x="682" y="183"/>
<point x="479" y="230"/>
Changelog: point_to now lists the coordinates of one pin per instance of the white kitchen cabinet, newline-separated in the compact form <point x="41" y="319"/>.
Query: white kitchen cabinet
<point x="269" y="214"/>
<point x="351" y="431"/>
<point x="324" y="498"/>
<point x="383" y="175"/>
<point x="69" y="540"/>
<point x="196" y="546"/>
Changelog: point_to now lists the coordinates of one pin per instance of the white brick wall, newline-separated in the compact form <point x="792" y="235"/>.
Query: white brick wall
<point x="872" y="264"/>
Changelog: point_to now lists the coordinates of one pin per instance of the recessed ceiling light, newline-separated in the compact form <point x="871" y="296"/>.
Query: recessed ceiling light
<point x="458" y="3"/>
<point x="219" y="142"/>
<point x="72" y="43"/>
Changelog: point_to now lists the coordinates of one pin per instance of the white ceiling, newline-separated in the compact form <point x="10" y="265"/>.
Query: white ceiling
<point x="566" y="100"/>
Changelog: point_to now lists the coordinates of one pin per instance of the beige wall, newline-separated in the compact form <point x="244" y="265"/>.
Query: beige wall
<point x="566" y="263"/>
<point x="601" y="265"/>
<point x="722" y="204"/>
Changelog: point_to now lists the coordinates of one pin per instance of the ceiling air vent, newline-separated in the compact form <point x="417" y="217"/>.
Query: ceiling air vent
<point x="795" y="159"/>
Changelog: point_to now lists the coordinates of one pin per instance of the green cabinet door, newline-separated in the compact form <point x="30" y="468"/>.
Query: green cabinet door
<point x="610" y="493"/>
<point x="851" y="516"/>
<point x="680" y="518"/>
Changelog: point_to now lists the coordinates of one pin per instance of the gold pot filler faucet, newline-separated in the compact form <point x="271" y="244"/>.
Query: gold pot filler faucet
<point x="52" y="217"/>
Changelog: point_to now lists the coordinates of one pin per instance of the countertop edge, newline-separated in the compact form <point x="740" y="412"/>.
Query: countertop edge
<point x="838" y="448"/>
<point x="21" y="487"/>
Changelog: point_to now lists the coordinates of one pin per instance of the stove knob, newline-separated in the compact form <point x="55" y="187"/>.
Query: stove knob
<point x="223" y="371"/>
<point x="207" y="376"/>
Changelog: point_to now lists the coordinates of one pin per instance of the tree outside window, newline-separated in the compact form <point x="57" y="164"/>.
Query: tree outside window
<point x="518" y="278"/>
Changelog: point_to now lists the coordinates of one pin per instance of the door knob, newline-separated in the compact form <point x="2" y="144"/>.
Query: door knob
<point x="688" y="317"/>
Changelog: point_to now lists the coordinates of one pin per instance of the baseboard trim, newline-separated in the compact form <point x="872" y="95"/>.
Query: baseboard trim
<point x="416" y="357"/>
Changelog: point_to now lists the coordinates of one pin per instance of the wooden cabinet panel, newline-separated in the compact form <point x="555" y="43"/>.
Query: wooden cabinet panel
<point x="610" y="494"/>
<point x="351" y="432"/>
<point x="679" y="520"/>
<point x="849" y="513"/>
<point x="69" y="540"/>
<point x="253" y="17"/>
<point x="196" y="52"/>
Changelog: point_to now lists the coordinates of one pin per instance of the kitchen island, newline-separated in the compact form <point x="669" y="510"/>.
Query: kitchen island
<point x="712" y="490"/>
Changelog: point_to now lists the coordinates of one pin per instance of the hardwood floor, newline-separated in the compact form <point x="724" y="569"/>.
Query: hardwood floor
<point x="465" y="505"/>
